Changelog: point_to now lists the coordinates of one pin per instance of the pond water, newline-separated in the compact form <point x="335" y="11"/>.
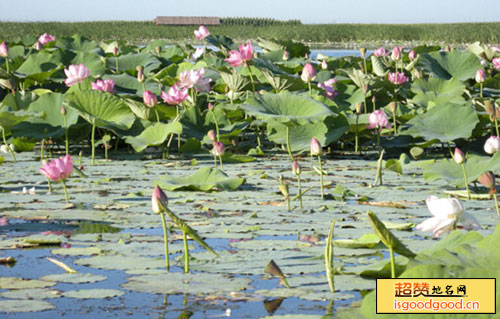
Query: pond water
<point x="110" y="231"/>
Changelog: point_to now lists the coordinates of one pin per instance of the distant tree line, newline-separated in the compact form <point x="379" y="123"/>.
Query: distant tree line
<point x="257" y="22"/>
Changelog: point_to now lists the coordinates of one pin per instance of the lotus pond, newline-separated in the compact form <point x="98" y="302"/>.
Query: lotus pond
<point x="233" y="132"/>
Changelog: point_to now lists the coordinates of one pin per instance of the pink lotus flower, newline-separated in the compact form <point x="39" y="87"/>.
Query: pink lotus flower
<point x="246" y="51"/>
<point x="324" y="65"/>
<point x="194" y="78"/>
<point x="38" y="46"/>
<point x="379" y="52"/>
<point x="412" y="55"/>
<point x="211" y="136"/>
<point x="116" y="51"/>
<point x="159" y="200"/>
<point x="458" y="156"/>
<point x="237" y="58"/>
<point x="378" y="120"/>
<point x="286" y="56"/>
<point x="496" y="63"/>
<point x="58" y="169"/>
<point x="4" y="50"/>
<point x="201" y="33"/>
<point x="295" y="168"/>
<point x="308" y="73"/>
<point x="149" y="98"/>
<point x="480" y="76"/>
<point x="315" y="147"/>
<point x="140" y="74"/>
<point x="396" y="53"/>
<point x="218" y="149"/>
<point x="492" y="145"/>
<point x="397" y="78"/>
<point x="446" y="212"/>
<point x="104" y="85"/>
<point x="176" y="95"/>
<point x="328" y="87"/>
<point x="76" y="74"/>
<point x="46" y="38"/>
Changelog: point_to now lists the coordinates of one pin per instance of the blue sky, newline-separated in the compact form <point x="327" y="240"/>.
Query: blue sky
<point x="311" y="11"/>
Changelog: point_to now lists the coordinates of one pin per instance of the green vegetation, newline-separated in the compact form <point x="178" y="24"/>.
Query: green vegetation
<point x="142" y="31"/>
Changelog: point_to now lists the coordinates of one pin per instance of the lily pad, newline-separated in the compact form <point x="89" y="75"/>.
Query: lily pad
<point x="78" y="278"/>
<point x="179" y="283"/>
<point x="93" y="293"/>
<point x="20" y="283"/>
<point x="153" y="135"/>
<point x="25" y="305"/>
<point x="35" y="293"/>
<point x="204" y="179"/>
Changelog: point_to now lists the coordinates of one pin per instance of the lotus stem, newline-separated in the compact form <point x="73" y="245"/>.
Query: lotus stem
<point x="165" y="240"/>
<point x="394" y="120"/>
<point x="42" y="149"/>
<point x="481" y="90"/>
<point x="378" y="143"/>
<point x="378" y="174"/>
<point x="216" y="126"/>
<point x="259" y="143"/>
<point x="288" y="206"/>
<point x="169" y="142"/>
<point x="466" y="180"/>
<point x="66" y="134"/>
<point x="157" y="115"/>
<point x="50" y="185"/>
<point x="496" y="204"/>
<point x="93" y="144"/>
<point x="288" y="148"/>
<point x="300" y="191"/>
<point x="7" y="65"/>
<point x="321" y="178"/>
<point x="11" y="151"/>
<point x="364" y="64"/>
<point x="220" y="160"/>
<point x="65" y="191"/>
<point x="215" y="161"/>
<point x="251" y="78"/>
<point x="393" y="263"/>
<point x="330" y="271"/>
<point x="186" y="252"/>
<point x="116" y="65"/>
<point x="310" y="88"/>
<point x="496" y="126"/>
<point x="356" y="134"/>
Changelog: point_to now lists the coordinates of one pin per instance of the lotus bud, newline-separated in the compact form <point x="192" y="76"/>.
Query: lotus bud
<point x="210" y="107"/>
<point x="159" y="200"/>
<point x="218" y="149"/>
<point x="4" y="50"/>
<point x="306" y="56"/>
<point x="492" y="145"/>
<point x="284" y="188"/>
<point x="140" y="74"/>
<point x="480" y="76"/>
<point x="286" y="56"/>
<point x="412" y="55"/>
<point x="38" y="46"/>
<point x="396" y="53"/>
<point x="149" y="98"/>
<point x="324" y="65"/>
<point x="359" y="108"/>
<point x="365" y="89"/>
<point x="63" y="110"/>
<point x="296" y="168"/>
<point x="308" y="73"/>
<point x="262" y="92"/>
<point x="488" y="106"/>
<point x="115" y="51"/>
<point x="488" y="180"/>
<point x="315" y="147"/>
<point x="392" y="107"/>
<point x="157" y="50"/>
<point x="374" y="99"/>
<point x="458" y="156"/>
<point x="211" y="135"/>
<point x="447" y="48"/>
<point x="363" y="52"/>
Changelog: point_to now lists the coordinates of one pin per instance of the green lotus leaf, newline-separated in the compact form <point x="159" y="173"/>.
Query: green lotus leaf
<point x="153" y="135"/>
<point x="436" y="91"/>
<point x="93" y="293"/>
<point x="20" y="283"/>
<point x="327" y="131"/>
<point x="30" y="294"/>
<point x="27" y="305"/>
<point x="130" y="61"/>
<point x="387" y="237"/>
<point x="445" y="123"/>
<point x="365" y="241"/>
<point x="79" y="43"/>
<point x="286" y="108"/>
<point x="9" y="119"/>
<point x="101" y="109"/>
<point x="455" y="64"/>
<point x="450" y="171"/>
<point x="126" y="84"/>
<point x="40" y="63"/>
<point x="179" y="283"/>
<point x="204" y="179"/>
<point x="79" y="278"/>
<point x="92" y="61"/>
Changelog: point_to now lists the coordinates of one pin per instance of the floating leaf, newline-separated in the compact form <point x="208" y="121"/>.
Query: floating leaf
<point x="25" y="305"/>
<point x="93" y="293"/>
<point x="79" y="278"/>
<point x="20" y="283"/>
<point x="35" y="293"/>
<point x="204" y="179"/>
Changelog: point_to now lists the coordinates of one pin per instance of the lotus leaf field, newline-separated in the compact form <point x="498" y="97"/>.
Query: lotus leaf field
<point x="292" y="182"/>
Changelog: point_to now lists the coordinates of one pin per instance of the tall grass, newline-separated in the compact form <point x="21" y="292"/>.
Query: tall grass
<point x="141" y="31"/>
